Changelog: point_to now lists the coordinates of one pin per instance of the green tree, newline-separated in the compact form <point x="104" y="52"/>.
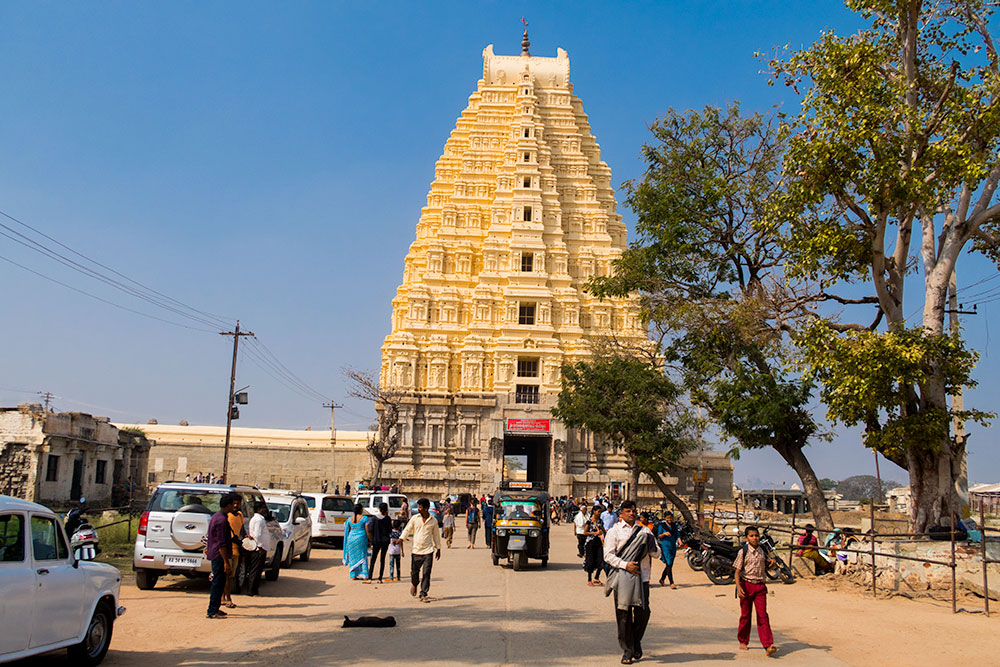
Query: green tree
<point x="827" y="484"/>
<point x="633" y="406"/>
<point x="711" y="280"/>
<point x="895" y="151"/>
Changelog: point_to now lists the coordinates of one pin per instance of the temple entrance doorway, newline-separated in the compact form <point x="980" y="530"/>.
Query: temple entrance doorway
<point x="526" y="458"/>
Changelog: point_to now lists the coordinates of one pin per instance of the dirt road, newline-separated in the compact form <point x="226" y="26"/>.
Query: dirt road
<point x="486" y="615"/>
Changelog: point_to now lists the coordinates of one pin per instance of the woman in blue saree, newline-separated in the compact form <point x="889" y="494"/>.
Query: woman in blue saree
<point x="666" y="533"/>
<point x="356" y="544"/>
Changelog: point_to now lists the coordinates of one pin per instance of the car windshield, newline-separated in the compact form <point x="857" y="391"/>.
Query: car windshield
<point x="281" y="512"/>
<point x="337" y="505"/>
<point x="519" y="508"/>
<point x="395" y="502"/>
<point x="310" y="501"/>
<point x="191" y="500"/>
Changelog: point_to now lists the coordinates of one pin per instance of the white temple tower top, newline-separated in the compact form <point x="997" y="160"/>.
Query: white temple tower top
<point x="540" y="71"/>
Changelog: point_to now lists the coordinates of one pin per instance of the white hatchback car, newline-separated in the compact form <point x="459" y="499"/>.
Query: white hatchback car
<point x="292" y="514"/>
<point x="48" y="598"/>
<point x="329" y="514"/>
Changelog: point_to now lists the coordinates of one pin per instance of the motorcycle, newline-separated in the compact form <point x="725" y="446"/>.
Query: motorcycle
<point x="776" y="570"/>
<point x="693" y="547"/>
<point x="83" y="539"/>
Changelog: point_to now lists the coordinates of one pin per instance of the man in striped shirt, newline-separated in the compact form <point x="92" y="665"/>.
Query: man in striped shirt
<point x="751" y="572"/>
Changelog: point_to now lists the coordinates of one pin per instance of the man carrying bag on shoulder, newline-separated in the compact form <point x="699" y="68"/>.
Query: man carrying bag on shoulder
<point x="628" y="549"/>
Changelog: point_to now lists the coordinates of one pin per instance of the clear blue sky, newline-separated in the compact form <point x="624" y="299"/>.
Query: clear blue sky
<point x="268" y="161"/>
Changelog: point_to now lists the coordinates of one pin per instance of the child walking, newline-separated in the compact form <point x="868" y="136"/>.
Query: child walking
<point x="751" y="566"/>
<point x="396" y="551"/>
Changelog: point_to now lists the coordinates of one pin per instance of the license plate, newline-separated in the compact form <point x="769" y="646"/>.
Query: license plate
<point x="340" y="519"/>
<point x="184" y="561"/>
<point x="515" y="542"/>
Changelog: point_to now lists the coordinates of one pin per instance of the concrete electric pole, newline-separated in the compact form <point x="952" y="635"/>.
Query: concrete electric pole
<point x="232" y="388"/>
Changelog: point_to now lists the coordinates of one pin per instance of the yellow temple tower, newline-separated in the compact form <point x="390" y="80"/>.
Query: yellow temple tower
<point x="521" y="213"/>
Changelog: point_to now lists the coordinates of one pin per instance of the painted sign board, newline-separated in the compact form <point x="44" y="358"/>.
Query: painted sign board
<point x="527" y="426"/>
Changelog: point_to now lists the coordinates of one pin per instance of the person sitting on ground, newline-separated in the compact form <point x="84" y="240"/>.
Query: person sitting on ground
<point x="821" y="563"/>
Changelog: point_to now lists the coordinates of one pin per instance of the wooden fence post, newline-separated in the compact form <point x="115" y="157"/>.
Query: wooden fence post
<point x="982" y="540"/>
<point x="874" y="583"/>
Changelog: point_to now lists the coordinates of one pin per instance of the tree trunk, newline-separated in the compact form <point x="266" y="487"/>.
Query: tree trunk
<point x="932" y="487"/>
<point x="793" y="456"/>
<point x="377" y="471"/>
<point x="633" y="490"/>
<point x="685" y="511"/>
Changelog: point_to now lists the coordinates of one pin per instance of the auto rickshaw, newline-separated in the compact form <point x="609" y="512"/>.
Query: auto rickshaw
<point x="520" y="524"/>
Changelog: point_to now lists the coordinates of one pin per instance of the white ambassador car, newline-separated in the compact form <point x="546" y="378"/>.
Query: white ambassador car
<point x="49" y="599"/>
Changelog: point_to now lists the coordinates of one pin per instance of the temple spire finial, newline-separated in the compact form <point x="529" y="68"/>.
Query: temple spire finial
<point x="525" y="43"/>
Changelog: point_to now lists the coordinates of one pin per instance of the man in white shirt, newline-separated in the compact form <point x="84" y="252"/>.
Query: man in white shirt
<point x="258" y="532"/>
<point x="632" y="621"/>
<point x="426" y="534"/>
<point x="580" y="520"/>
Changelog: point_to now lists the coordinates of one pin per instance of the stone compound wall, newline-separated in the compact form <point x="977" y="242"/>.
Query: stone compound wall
<point x="15" y="469"/>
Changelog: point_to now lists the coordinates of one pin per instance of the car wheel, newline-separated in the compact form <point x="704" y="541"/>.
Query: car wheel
<point x="545" y="562"/>
<point x="496" y="559"/>
<point x="518" y="563"/>
<point x="272" y="572"/>
<point x="97" y="639"/>
<point x="290" y="555"/>
<point x="145" y="579"/>
<point x="308" y="552"/>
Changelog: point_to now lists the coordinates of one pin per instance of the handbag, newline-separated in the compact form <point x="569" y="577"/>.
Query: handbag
<point x="249" y="544"/>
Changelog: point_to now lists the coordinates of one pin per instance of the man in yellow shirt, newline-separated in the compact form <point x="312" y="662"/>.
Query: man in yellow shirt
<point x="236" y="527"/>
<point x="426" y="534"/>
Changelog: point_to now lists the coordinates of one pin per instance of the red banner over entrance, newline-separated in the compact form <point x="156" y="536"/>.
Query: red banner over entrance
<point x="527" y="426"/>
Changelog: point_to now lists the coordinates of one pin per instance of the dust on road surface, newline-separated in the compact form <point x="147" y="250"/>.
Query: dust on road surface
<point x="486" y="615"/>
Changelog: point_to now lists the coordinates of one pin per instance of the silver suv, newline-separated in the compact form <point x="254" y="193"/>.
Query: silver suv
<point x="171" y="531"/>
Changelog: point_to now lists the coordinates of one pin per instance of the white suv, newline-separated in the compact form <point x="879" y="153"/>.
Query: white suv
<point x="292" y="514"/>
<point x="48" y="598"/>
<point x="169" y="539"/>
<point x="329" y="514"/>
<point x="371" y="501"/>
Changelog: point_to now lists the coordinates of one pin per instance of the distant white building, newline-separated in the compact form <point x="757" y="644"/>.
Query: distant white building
<point x="899" y="499"/>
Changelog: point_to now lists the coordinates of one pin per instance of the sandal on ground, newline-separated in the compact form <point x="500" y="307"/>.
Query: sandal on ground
<point x="626" y="660"/>
<point x="229" y="605"/>
<point x="598" y="583"/>
<point x="590" y="583"/>
<point x="771" y="650"/>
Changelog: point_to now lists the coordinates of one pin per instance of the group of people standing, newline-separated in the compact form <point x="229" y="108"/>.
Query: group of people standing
<point x="370" y="538"/>
<point x="226" y="543"/>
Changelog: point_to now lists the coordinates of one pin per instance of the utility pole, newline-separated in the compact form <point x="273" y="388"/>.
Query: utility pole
<point x="232" y="388"/>
<point x="47" y="395"/>
<point x="333" y="440"/>
<point x="957" y="402"/>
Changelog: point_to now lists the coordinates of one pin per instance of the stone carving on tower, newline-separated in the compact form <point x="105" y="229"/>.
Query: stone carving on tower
<point x="520" y="214"/>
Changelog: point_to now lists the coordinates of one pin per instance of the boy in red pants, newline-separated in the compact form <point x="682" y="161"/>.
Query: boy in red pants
<point x="751" y="567"/>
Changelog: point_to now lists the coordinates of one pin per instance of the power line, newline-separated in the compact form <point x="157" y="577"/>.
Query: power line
<point x="293" y="376"/>
<point x="221" y="319"/>
<point x="103" y="300"/>
<point x="79" y="268"/>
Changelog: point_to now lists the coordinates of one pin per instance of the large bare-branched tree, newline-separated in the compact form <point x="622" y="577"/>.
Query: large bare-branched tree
<point x="385" y="441"/>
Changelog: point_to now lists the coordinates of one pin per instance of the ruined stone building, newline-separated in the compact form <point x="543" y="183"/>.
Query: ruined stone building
<point x="520" y="215"/>
<point x="54" y="458"/>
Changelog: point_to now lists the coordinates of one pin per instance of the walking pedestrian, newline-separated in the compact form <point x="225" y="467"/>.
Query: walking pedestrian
<point x="258" y="532"/>
<point x="356" y="544"/>
<point x="326" y="485"/>
<point x="593" y="548"/>
<point x="217" y="550"/>
<point x="488" y="511"/>
<point x="236" y="533"/>
<point x="608" y="518"/>
<point x="336" y="490"/>
<point x="666" y="533"/>
<point x="404" y="513"/>
<point x="448" y="524"/>
<point x="396" y="551"/>
<point x="579" y="522"/>
<point x="472" y="522"/>
<point x="628" y="548"/>
<point x="751" y="568"/>
<point x="347" y="489"/>
<point x="380" y="535"/>
<point x="423" y="528"/>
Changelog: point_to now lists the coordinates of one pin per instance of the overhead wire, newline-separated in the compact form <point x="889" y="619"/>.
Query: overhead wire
<point x="219" y="318"/>
<point x="103" y="300"/>
<point x="257" y="352"/>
